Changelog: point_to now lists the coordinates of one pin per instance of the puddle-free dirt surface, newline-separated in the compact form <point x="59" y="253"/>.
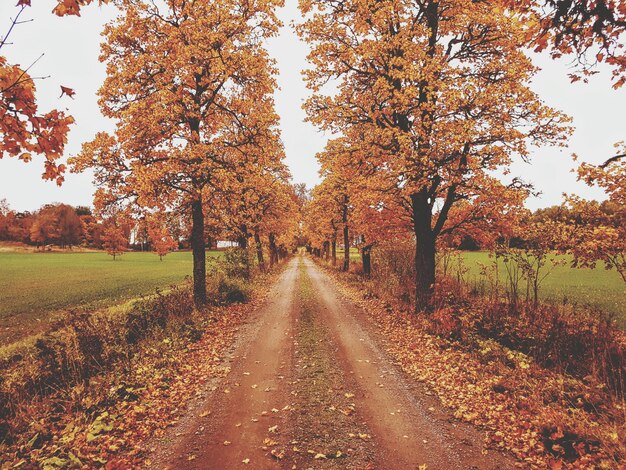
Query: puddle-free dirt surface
<point x="310" y="386"/>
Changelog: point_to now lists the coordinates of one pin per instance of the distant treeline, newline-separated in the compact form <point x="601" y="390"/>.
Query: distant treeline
<point x="582" y="214"/>
<point x="66" y="226"/>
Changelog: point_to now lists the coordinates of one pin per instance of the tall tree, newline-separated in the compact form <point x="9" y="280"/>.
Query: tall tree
<point x="436" y="96"/>
<point x="70" y="228"/>
<point x="190" y="86"/>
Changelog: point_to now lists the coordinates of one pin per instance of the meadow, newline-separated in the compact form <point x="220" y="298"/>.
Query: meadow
<point x="598" y="288"/>
<point x="35" y="285"/>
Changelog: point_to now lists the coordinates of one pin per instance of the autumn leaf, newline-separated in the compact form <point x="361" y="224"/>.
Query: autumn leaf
<point x="67" y="91"/>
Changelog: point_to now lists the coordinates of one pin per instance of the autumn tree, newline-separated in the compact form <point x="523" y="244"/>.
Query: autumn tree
<point x="69" y="7"/>
<point x="160" y="237"/>
<point x="371" y="213"/>
<point x="257" y="204"/>
<point x="322" y="220"/>
<point x="114" y="241"/>
<point x="190" y="86"/>
<point x="598" y="231"/>
<point x="331" y="208"/>
<point x="24" y="130"/>
<point x="5" y="210"/>
<point x="44" y="229"/>
<point x="436" y="95"/>
<point x="70" y="229"/>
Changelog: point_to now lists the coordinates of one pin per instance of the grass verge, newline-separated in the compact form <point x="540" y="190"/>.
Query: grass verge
<point x="325" y="423"/>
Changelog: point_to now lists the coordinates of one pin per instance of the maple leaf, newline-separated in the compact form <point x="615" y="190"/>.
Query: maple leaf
<point x="23" y="3"/>
<point x="67" y="91"/>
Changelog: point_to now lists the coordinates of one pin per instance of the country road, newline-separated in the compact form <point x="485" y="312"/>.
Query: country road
<point x="310" y="386"/>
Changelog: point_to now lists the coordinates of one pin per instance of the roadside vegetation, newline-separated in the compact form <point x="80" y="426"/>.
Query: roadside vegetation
<point x="535" y="391"/>
<point x="97" y="383"/>
<point x="36" y="287"/>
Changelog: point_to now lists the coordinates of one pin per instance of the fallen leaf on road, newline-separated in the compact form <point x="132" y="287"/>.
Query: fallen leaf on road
<point x="227" y="443"/>
<point x="320" y="456"/>
<point x="349" y="395"/>
<point x="278" y="454"/>
<point x="204" y="414"/>
<point x="245" y="461"/>
<point x="273" y="428"/>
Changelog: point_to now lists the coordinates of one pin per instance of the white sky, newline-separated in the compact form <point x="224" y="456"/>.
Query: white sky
<point x="71" y="47"/>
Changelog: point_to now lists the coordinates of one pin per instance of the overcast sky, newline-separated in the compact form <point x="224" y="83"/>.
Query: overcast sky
<point x="71" y="48"/>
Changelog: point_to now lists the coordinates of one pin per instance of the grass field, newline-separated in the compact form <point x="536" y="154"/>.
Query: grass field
<point x="34" y="284"/>
<point x="598" y="288"/>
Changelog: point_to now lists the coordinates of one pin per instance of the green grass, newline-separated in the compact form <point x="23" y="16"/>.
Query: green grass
<point x="34" y="284"/>
<point x="598" y="287"/>
<point x="355" y="255"/>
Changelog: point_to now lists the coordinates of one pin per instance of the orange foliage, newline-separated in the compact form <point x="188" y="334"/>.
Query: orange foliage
<point x="432" y="99"/>
<point x="190" y="86"/>
<point x="160" y="237"/>
<point x="592" y="30"/>
<point x="113" y="240"/>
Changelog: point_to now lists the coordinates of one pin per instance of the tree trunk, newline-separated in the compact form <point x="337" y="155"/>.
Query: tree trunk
<point x="424" y="251"/>
<point x="333" y="247"/>
<point x="259" y="250"/>
<point x="273" y="250"/>
<point x="199" y="254"/>
<point x="346" y="237"/>
<point x="326" y="250"/>
<point x="366" y="257"/>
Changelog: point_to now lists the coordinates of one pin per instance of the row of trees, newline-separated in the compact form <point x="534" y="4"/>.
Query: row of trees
<point x="190" y="86"/>
<point x="432" y="99"/>
<point x="66" y="226"/>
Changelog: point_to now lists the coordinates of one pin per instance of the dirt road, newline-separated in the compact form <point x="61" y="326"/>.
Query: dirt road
<point x="310" y="386"/>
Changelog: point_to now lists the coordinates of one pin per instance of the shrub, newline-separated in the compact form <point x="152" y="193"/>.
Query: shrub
<point x="223" y="290"/>
<point x="83" y="345"/>
<point x="236" y="263"/>
<point x="571" y="339"/>
<point x="393" y="270"/>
